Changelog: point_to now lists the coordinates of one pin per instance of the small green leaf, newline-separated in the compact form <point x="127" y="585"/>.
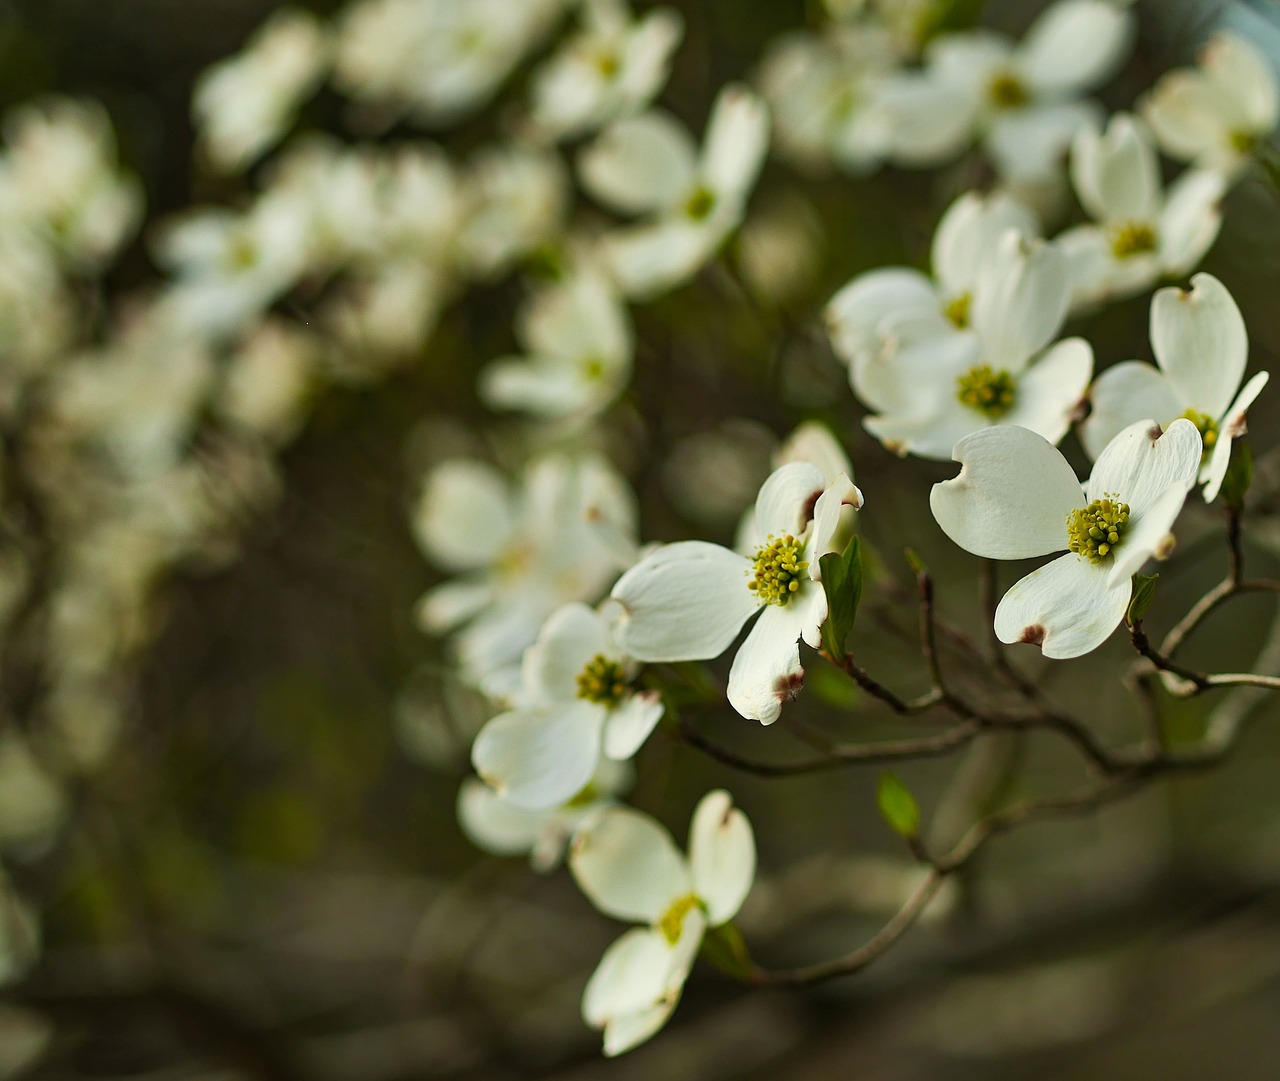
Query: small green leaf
<point x="916" y="564"/>
<point x="1144" y="592"/>
<point x="898" y="805"/>
<point x="1239" y="475"/>
<point x="842" y="581"/>
<point x="725" y="948"/>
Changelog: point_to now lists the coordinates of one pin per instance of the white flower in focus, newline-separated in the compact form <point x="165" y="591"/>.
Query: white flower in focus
<point x="1000" y="369"/>
<point x="648" y="164"/>
<point x="576" y="702"/>
<point x="244" y="104"/>
<point x="613" y="67"/>
<point x="892" y="308"/>
<point x="629" y="867"/>
<point x="1201" y="349"/>
<point x="579" y="342"/>
<point x="520" y="552"/>
<point x="1016" y="498"/>
<point x="1142" y="232"/>
<point x="1216" y="114"/>
<point x="687" y="601"/>
<point x="1024" y="100"/>
<point x="498" y="827"/>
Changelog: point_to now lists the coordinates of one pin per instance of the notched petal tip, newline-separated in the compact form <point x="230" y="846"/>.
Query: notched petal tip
<point x="1033" y="635"/>
<point x="1165" y="548"/>
<point x="788" y="687"/>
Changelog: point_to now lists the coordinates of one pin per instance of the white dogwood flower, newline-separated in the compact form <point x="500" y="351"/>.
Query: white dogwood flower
<point x="1000" y="369"/>
<point x="1141" y="232"/>
<point x="1201" y="349"/>
<point x="244" y="104"/>
<point x="630" y="868"/>
<point x="1016" y="497"/>
<point x="648" y="164"/>
<point x="688" y="601"/>
<point x="1216" y="114"/>
<point x="576" y="702"/>
<point x="885" y="310"/>
<point x="613" y="67"/>
<point x="579" y="342"/>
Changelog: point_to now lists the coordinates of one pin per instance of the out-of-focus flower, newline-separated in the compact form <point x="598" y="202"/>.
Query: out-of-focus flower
<point x="579" y="342"/>
<point x="629" y="867"/>
<point x="1141" y="233"/>
<point x="1217" y="114"/>
<point x="688" y="601"/>
<point x="613" y="67"/>
<point x="244" y="104"/>
<point x="60" y="176"/>
<point x="438" y="58"/>
<point x="1201" y="349"/>
<point x="1016" y="497"/>
<point x="521" y="552"/>
<point x="648" y="164"/>
<point x="1000" y="369"/>
<point x="265" y="386"/>
<point x="33" y="805"/>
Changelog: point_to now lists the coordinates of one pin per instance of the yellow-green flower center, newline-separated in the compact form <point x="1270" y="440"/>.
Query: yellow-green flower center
<point x="990" y="392"/>
<point x="700" y="203"/>
<point x="778" y="569"/>
<point x="672" y="921"/>
<point x="1007" y="91"/>
<point x="1132" y="238"/>
<point x="603" y="681"/>
<point x="607" y="62"/>
<point x="1093" y="531"/>
<point x="587" y="795"/>
<point x="957" y="311"/>
<point x="1244" y="142"/>
<point x="1205" y="424"/>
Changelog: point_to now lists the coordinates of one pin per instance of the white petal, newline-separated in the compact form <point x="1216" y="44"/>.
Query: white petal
<point x="1019" y="301"/>
<point x="538" y="759"/>
<point x="1030" y="144"/>
<point x="1067" y="607"/>
<point x="1230" y="428"/>
<point x="628" y="865"/>
<point x="1076" y="45"/>
<point x="920" y="379"/>
<point x="722" y="854"/>
<point x="1190" y="117"/>
<point x="1125" y="394"/>
<point x="1190" y="220"/>
<point x="494" y="825"/>
<point x="572" y="637"/>
<point x="1234" y="64"/>
<point x="1116" y="173"/>
<point x="927" y="434"/>
<point x="736" y="141"/>
<point x="631" y="976"/>
<point x="787" y="498"/>
<point x="1141" y="462"/>
<point x="630" y="1030"/>
<point x="827" y="515"/>
<point x="1011" y="499"/>
<point x="629" y="724"/>
<point x="968" y="232"/>
<point x="639" y="163"/>
<point x="930" y="123"/>
<point x="463" y="518"/>
<point x="650" y="259"/>
<point x="547" y="386"/>
<point x="766" y="671"/>
<point x="451" y="603"/>
<point x="1050" y="392"/>
<point x="1147" y="534"/>
<point x="1089" y="262"/>
<point x="1200" y="343"/>
<point x="854" y="315"/>
<point x="683" y="602"/>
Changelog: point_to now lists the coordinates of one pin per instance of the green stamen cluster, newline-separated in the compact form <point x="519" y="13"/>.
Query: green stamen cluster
<point x="603" y="681"/>
<point x="607" y="63"/>
<point x="1244" y="142"/>
<point x="1007" y="91"/>
<point x="778" y="567"/>
<point x="700" y="203"/>
<point x="673" y="919"/>
<point x="957" y="311"/>
<point x="1206" y="425"/>
<point x="1135" y="238"/>
<point x="990" y="392"/>
<point x="1094" y="530"/>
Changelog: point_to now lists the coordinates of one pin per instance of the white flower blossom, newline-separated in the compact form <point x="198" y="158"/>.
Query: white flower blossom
<point x="648" y="164"/>
<point x="1000" y="369"/>
<point x="1016" y="498"/>
<point x="629" y="867"/>
<point x="689" y="600"/>
<point x="1217" y="114"/>
<point x="575" y="703"/>
<point x="1201" y="349"/>
<point x="1141" y="232"/>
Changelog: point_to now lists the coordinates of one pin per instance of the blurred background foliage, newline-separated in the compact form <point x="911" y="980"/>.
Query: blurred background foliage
<point x="267" y="880"/>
